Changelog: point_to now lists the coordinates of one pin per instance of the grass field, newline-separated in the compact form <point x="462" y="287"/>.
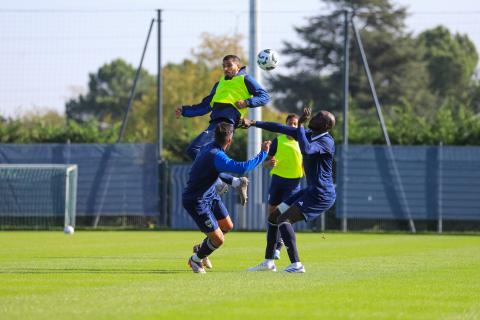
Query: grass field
<point x="144" y="275"/>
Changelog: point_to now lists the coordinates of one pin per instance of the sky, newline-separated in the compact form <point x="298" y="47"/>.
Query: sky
<point x="49" y="47"/>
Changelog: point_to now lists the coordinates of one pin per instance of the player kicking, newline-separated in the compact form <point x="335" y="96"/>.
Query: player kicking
<point x="228" y="101"/>
<point x="200" y="199"/>
<point x="317" y="147"/>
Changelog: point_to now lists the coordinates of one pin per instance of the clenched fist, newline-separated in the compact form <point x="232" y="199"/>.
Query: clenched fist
<point x="178" y="112"/>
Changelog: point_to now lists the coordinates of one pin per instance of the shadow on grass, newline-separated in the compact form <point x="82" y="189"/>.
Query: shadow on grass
<point x="88" y="271"/>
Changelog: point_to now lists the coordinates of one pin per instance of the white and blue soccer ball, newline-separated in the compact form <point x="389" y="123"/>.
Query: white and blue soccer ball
<point x="267" y="59"/>
<point x="68" y="230"/>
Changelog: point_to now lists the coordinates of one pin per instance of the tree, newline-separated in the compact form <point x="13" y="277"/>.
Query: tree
<point x="52" y="127"/>
<point x="316" y="62"/>
<point x="108" y="93"/>
<point x="213" y="48"/>
<point x="451" y="61"/>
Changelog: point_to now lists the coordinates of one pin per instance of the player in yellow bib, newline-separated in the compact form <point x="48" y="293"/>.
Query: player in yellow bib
<point x="285" y="160"/>
<point x="228" y="101"/>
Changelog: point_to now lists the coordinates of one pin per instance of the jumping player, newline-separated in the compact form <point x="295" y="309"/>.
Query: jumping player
<point x="228" y="101"/>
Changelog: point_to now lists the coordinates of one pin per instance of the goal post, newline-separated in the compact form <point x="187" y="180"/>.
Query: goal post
<point x="71" y="178"/>
<point x="37" y="196"/>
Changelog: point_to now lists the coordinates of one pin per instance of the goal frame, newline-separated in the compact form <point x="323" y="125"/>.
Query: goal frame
<point x="71" y="179"/>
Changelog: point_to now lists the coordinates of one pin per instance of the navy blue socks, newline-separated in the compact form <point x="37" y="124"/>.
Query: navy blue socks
<point x="290" y="241"/>
<point x="272" y="231"/>
<point x="206" y="249"/>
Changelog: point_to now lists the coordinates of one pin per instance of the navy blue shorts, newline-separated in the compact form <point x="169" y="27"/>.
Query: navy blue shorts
<point x="206" y="213"/>
<point x="281" y="189"/>
<point x="207" y="136"/>
<point x="311" y="207"/>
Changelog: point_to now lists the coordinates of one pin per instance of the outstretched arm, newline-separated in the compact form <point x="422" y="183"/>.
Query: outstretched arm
<point x="197" y="110"/>
<point x="305" y="146"/>
<point x="270" y="126"/>
<point x="224" y="163"/>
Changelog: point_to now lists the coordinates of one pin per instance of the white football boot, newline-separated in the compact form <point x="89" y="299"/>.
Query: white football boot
<point x="242" y="190"/>
<point x="197" y="267"/>
<point x="205" y="261"/>
<point x="267" y="265"/>
<point x="296" y="267"/>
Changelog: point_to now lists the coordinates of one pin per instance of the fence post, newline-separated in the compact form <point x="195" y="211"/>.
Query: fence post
<point x="162" y="164"/>
<point x="344" y="159"/>
<point x="164" y="196"/>
<point x="440" y="188"/>
<point x="346" y="52"/>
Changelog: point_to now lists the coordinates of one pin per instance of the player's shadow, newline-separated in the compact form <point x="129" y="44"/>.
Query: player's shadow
<point x="88" y="271"/>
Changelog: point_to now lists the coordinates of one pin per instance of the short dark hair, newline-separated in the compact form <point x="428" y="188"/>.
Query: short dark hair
<point x="291" y="116"/>
<point x="223" y="131"/>
<point x="231" y="57"/>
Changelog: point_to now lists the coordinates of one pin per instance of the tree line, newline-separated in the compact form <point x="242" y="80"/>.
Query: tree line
<point x="427" y="85"/>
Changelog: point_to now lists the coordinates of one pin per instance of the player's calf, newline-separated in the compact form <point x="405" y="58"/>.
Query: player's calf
<point x="289" y="238"/>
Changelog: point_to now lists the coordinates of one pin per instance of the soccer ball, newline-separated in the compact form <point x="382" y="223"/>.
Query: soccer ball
<point x="68" y="230"/>
<point x="267" y="59"/>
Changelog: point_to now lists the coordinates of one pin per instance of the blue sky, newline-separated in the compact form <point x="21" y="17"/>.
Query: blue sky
<point x="49" y="46"/>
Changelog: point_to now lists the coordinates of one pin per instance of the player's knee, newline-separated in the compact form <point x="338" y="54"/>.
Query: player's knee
<point x="282" y="219"/>
<point x="227" y="227"/>
<point x="217" y="240"/>
<point x="273" y="216"/>
<point x="271" y="208"/>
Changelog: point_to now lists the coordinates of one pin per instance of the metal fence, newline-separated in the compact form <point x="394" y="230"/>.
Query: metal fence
<point x="113" y="179"/>
<point x="434" y="183"/>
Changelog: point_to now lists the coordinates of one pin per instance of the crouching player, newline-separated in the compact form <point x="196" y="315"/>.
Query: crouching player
<point x="201" y="201"/>
<point x="317" y="147"/>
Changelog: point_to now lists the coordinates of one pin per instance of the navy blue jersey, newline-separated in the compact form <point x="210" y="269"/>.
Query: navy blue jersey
<point x="228" y="113"/>
<point x="209" y="163"/>
<point x="317" y="151"/>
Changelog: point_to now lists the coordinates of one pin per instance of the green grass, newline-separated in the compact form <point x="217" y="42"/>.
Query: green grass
<point x="144" y="275"/>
